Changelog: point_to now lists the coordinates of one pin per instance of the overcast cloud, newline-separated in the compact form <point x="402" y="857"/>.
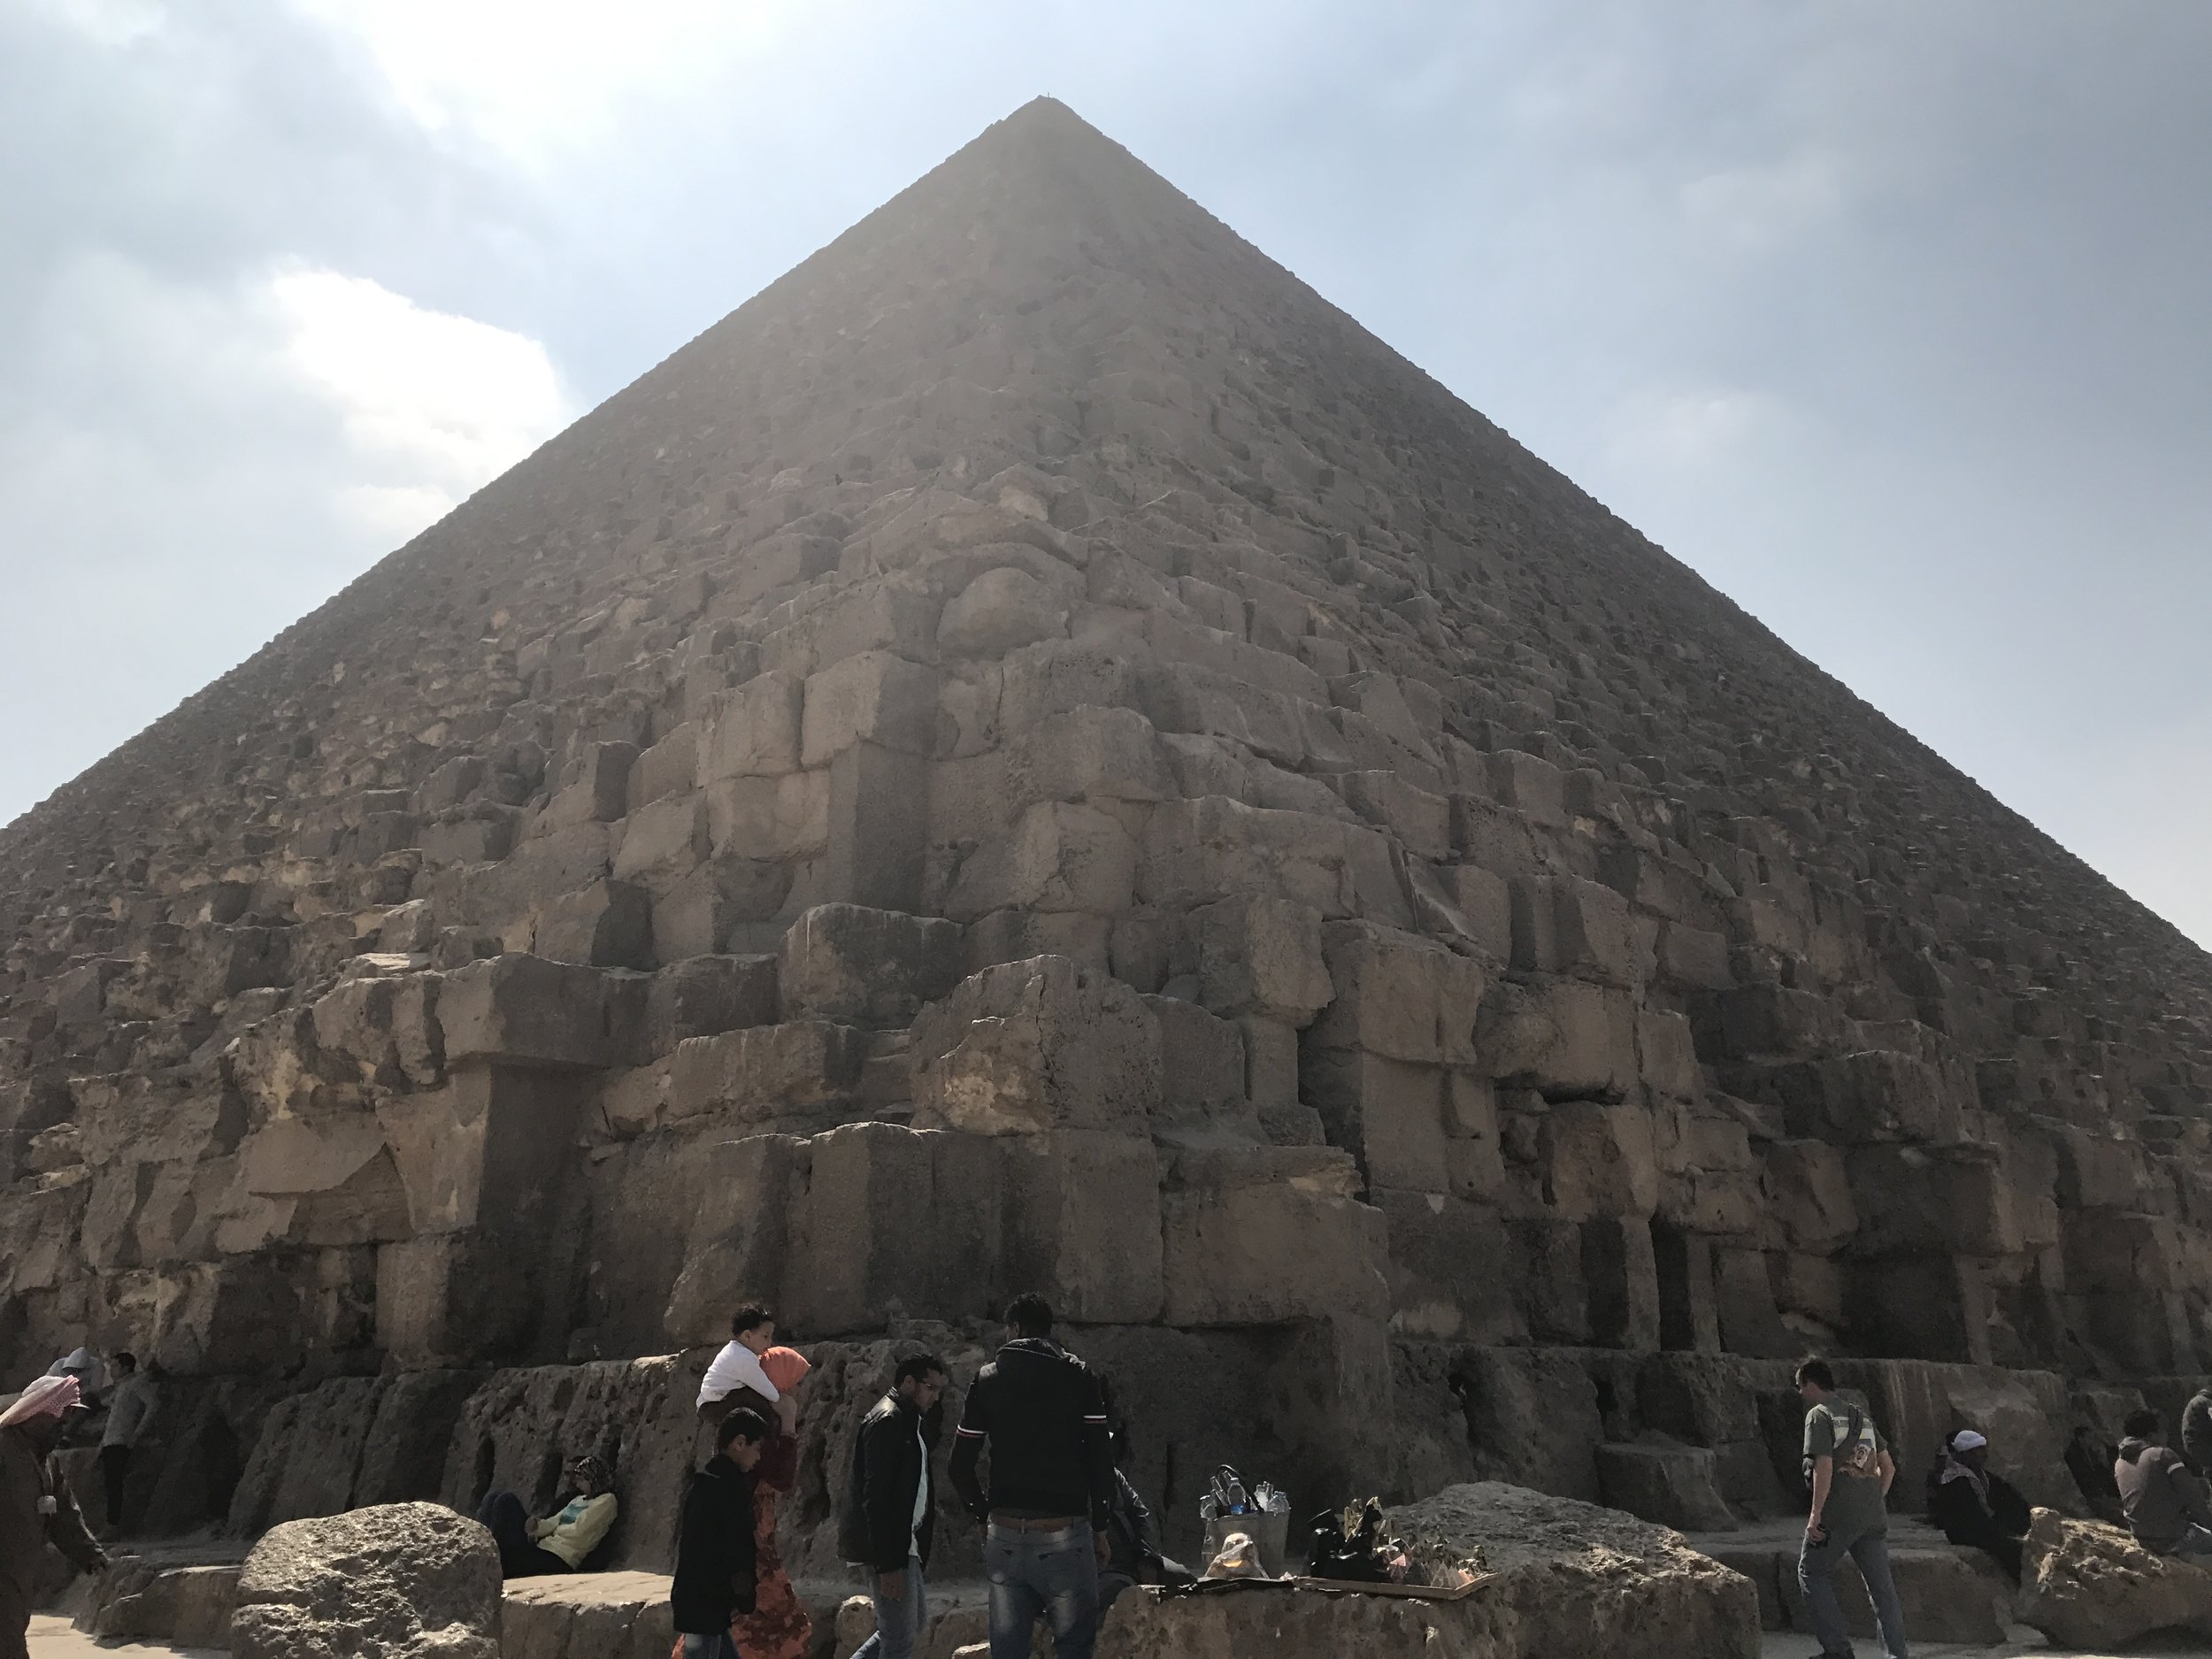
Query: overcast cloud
<point x="1889" y="318"/>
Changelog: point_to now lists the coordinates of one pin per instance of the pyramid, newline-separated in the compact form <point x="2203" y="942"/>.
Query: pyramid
<point x="1039" y="754"/>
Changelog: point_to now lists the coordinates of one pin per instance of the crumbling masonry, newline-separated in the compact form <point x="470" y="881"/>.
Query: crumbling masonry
<point x="1039" y="754"/>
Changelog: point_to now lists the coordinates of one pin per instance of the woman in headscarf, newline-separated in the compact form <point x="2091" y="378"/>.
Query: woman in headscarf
<point x="562" y="1541"/>
<point x="36" y="1506"/>
<point x="777" y="1627"/>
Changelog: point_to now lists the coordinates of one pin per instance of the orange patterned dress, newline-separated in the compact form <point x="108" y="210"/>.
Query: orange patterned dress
<point x="777" y="1627"/>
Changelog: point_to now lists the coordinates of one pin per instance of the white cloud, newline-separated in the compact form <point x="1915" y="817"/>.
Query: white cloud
<point x="432" y="404"/>
<point x="539" y="79"/>
<point x="1762" y="206"/>
<point x="107" y="22"/>
<point x="1698" y="429"/>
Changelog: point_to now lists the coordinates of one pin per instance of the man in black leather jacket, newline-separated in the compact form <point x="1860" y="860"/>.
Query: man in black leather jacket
<point x="890" y="1504"/>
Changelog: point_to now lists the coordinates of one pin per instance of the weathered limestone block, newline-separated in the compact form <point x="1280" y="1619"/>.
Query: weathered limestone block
<point x="869" y="967"/>
<point x="1389" y="1113"/>
<point x="607" y="924"/>
<point x="1421" y="822"/>
<point x="770" y="819"/>
<point x="1564" y="1037"/>
<point x="663" y="841"/>
<point x="1671" y="1486"/>
<point x="1565" y="925"/>
<point x="872" y="697"/>
<point x="303" y="1464"/>
<point x="1666" y="1054"/>
<point x="752" y="731"/>
<point x="393" y="1582"/>
<point x="1001" y="610"/>
<point x="1397" y="996"/>
<point x="1941" y="1200"/>
<point x="525" y="1010"/>
<point x="2089" y="1585"/>
<point x="1259" y="1235"/>
<point x="1202" y="851"/>
<point x="599" y="788"/>
<point x="480" y="1148"/>
<point x="1448" y="1263"/>
<point x="705" y="996"/>
<point x="1259" y="956"/>
<point x="1083" y="1224"/>
<point x="1201" y="1064"/>
<point x="756" y="1075"/>
<point x="878" y="829"/>
<point x="1869" y="1096"/>
<point x="1059" y="857"/>
<point x="1034" y="1045"/>
<point x="1810" y="1193"/>
<point x="1600" y="1160"/>
<point x="897" y="1223"/>
<point x="740" y="1242"/>
<point x="387" y="1026"/>
<point x="1092" y="753"/>
<point x="670" y="767"/>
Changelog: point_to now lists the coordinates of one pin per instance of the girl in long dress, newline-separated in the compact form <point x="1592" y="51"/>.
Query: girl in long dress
<point x="777" y="1627"/>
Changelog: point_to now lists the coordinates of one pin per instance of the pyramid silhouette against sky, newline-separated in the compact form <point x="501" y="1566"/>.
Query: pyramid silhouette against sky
<point x="1037" y="753"/>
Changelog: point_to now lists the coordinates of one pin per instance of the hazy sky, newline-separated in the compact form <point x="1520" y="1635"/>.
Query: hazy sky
<point x="1890" y="319"/>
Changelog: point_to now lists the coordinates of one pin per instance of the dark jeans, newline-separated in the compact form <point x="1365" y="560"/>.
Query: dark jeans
<point x="1053" y="1573"/>
<point x="509" y="1523"/>
<point x="115" y="1468"/>
<point x="721" y="1645"/>
<point x="898" y="1622"/>
<point x="1816" y="1565"/>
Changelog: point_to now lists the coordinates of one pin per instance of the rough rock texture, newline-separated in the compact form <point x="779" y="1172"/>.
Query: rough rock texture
<point x="1565" y="1578"/>
<point x="2090" y="1586"/>
<point x="393" y="1581"/>
<point x="1039" y="754"/>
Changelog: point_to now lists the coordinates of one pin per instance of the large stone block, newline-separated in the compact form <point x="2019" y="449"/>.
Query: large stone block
<point x="1565" y="925"/>
<point x="1397" y="996"/>
<point x="1448" y="1263"/>
<point x="800" y="1068"/>
<point x="525" y="1010"/>
<point x="1259" y="956"/>
<point x="867" y="967"/>
<point x="607" y="924"/>
<point x="1673" y="1485"/>
<point x="871" y="697"/>
<point x="1202" y="851"/>
<point x="1258" y="1235"/>
<point x="1563" y="1037"/>
<point x="704" y="997"/>
<point x="753" y="731"/>
<point x="770" y="819"/>
<point x="1083" y="1224"/>
<point x="878" y="828"/>
<point x="1092" y="753"/>
<point x="383" y="1583"/>
<point x="663" y="841"/>
<point x="700" y="914"/>
<point x="1389" y="1113"/>
<point x="1060" y="857"/>
<point x="1202" y="1064"/>
<point x="1001" y="610"/>
<point x="1873" y="1096"/>
<point x="1600" y="1160"/>
<point x="1035" y="1045"/>
<point x="739" y="1246"/>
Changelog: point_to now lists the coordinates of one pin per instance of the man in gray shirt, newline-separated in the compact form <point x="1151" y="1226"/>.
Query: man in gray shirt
<point x="129" y="1410"/>
<point x="2164" y="1502"/>
<point x="1849" y="1466"/>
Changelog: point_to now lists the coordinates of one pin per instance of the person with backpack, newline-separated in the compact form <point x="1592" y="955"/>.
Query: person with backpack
<point x="1052" y="1485"/>
<point x="1849" y="1466"/>
<point x="890" y="1505"/>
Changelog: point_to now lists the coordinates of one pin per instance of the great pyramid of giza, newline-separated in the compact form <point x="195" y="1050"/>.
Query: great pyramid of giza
<point x="1039" y="754"/>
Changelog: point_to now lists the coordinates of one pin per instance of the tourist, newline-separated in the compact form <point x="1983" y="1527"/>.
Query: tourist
<point x="129" y="1410"/>
<point x="777" y="1626"/>
<point x="1974" y="1506"/>
<point x="890" y="1504"/>
<point x="715" y="1541"/>
<point x="1849" y="1466"/>
<point x="36" y="1506"/>
<point x="1052" y="1485"/>
<point x="735" y="1373"/>
<point x="2164" y="1501"/>
<point x="2196" y="1431"/>
<point x="559" y="1542"/>
<point x="84" y="1364"/>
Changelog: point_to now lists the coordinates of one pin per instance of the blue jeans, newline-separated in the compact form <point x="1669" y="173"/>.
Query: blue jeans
<point x="898" y="1622"/>
<point x="1052" y="1573"/>
<point x="718" y="1645"/>
<point x="1816" y="1576"/>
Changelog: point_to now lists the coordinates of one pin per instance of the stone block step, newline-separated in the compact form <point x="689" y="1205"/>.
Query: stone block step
<point x="1949" y="1594"/>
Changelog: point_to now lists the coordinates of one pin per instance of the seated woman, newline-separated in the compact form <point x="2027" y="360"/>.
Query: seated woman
<point x="562" y="1541"/>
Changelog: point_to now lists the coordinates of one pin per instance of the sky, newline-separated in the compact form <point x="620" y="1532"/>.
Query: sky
<point x="1890" y="319"/>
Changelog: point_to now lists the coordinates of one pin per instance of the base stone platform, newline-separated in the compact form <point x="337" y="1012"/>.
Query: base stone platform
<point x="1950" y="1594"/>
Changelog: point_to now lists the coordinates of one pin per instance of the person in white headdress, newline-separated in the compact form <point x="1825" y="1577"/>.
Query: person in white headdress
<point x="1975" y="1507"/>
<point x="36" y="1506"/>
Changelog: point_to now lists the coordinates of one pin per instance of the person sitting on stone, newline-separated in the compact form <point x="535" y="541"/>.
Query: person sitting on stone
<point x="735" y="1378"/>
<point x="562" y="1541"/>
<point x="1974" y="1506"/>
<point x="2164" y="1502"/>
<point x="2196" y="1431"/>
<point x="36" y="1506"/>
<point x="715" y="1564"/>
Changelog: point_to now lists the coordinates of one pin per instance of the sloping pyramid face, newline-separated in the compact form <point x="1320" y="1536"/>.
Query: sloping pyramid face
<point x="1037" y="753"/>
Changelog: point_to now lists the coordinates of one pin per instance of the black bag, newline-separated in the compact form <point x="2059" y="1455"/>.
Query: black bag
<point x="1348" y="1545"/>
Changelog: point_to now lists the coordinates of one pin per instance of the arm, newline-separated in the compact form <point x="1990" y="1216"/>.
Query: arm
<point x="2191" y="1492"/>
<point x="879" y="1500"/>
<point x="1824" y="1476"/>
<point x="66" y="1528"/>
<point x="744" y="1548"/>
<point x="591" y="1525"/>
<point x="1888" y="1467"/>
<point x="967" y="1447"/>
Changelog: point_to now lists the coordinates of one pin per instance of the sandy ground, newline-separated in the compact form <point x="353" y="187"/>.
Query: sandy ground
<point x="51" y="1638"/>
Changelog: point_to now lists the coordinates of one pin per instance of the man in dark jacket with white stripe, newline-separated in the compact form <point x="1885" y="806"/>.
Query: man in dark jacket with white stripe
<point x="1052" y="1485"/>
<point x="890" y="1505"/>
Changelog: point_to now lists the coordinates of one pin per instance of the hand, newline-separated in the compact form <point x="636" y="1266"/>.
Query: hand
<point x="1102" y="1547"/>
<point x="892" y="1585"/>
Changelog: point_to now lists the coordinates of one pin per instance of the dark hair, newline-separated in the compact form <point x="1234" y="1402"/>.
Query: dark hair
<point x="750" y="1317"/>
<point x="1030" y="1314"/>
<point x="744" y="1423"/>
<point x="919" y="1367"/>
<point x="127" y="1360"/>
<point x="1817" y="1372"/>
<point x="2140" y="1426"/>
